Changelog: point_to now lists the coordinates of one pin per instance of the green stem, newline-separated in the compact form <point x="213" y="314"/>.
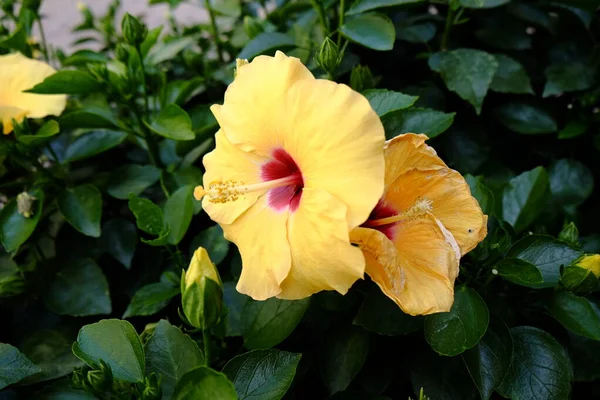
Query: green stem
<point x="447" y="28"/>
<point x="318" y="6"/>
<point x="147" y="135"/>
<point x="214" y="29"/>
<point x="144" y="86"/>
<point x="341" y="21"/>
<point x="43" y="37"/>
<point x="206" y="341"/>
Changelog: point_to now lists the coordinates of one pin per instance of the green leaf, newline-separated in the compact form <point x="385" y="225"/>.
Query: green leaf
<point x="132" y="178"/>
<point x="42" y="136"/>
<point x="416" y="120"/>
<point x="381" y="315"/>
<point x="67" y="82"/>
<point x="365" y="5"/>
<point x="267" y="323"/>
<point x="148" y="216"/>
<point x="15" y="229"/>
<point x="162" y="240"/>
<point x="384" y="101"/>
<point x="165" y="51"/>
<point x="489" y="360"/>
<point x="150" y="299"/>
<point x="266" y="43"/>
<point x="173" y="123"/>
<point x="120" y="238"/>
<point x="568" y="77"/>
<point x="204" y="383"/>
<point x="417" y="33"/>
<point x="505" y="34"/>
<point x="578" y="279"/>
<point x="262" y="374"/>
<point x="484" y="196"/>
<point x="584" y="356"/>
<point x="573" y="129"/>
<point x="510" y="77"/>
<point x="14" y="366"/>
<point x="520" y="272"/>
<point x="235" y="302"/>
<point x="214" y="242"/>
<point x="116" y="343"/>
<point x="83" y="57"/>
<point x="451" y="333"/>
<point x="178" y="212"/>
<point x="171" y="354"/>
<point x="91" y="117"/>
<point x="579" y="314"/>
<point x="93" y="143"/>
<point x="469" y="73"/>
<point x="571" y="182"/>
<point x="342" y="354"/>
<point x="525" y="197"/>
<point x="547" y="254"/>
<point x="525" y="118"/>
<point x="79" y="289"/>
<point x="375" y="31"/>
<point x="62" y="390"/>
<point x="82" y="208"/>
<point x="540" y="367"/>
<point x="482" y="3"/>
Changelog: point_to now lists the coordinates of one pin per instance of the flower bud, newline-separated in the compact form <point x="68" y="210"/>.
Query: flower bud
<point x="152" y="390"/>
<point x="252" y="27"/>
<point x="100" y="379"/>
<point x="591" y="263"/>
<point x="582" y="275"/>
<point x="328" y="58"/>
<point x="134" y="31"/>
<point x="11" y="285"/>
<point x="7" y="6"/>
<point x="25" y="204"/>
<point x="202" y="292"/>
<point x="33" y="5"/>
<point x="361" y="78"/>
<point x="569" y="234"/>
<point x="122" y="52"/>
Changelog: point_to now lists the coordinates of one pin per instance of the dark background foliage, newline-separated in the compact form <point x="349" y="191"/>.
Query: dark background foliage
<point x="508" y="92"/>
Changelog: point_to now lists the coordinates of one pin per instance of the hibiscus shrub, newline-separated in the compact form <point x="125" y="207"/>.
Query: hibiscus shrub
<point x="116" y="282"/>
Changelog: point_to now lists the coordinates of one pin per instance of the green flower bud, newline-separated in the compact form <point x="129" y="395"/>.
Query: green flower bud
<point x="79" y="377"/>
<point x="122" y="52"/>
<point x="25" y="204"/>
<point x="7" y="6"/>
<point x="569" y="234"/>
<point x="202" y="292"/>
<point x="100" y="379"/>
<point x="590" y="262"/>
<point x="134" y="31"/>
<point x="328" y="58"/>
<point x="583" y="275"/>
<point x="99" y="71"/>
<point x="12" y="285"/>
<point x="252" y="26"/>
<point x="152" y="390"/>
<point x="361" y="78"/>
<point x="33" y="5"/>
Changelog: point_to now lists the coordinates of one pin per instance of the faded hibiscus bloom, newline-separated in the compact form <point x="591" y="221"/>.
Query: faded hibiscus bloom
<point x="298" y="164"/>
<point x="19" y="73"/>
<point x="425" y="221"/>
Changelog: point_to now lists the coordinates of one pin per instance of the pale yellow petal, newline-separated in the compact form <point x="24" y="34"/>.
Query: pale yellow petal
<point x="260" y="235"/>
<point x="451" y="199"/>
<point x="381" y="258"/>
<point x="337" y="141"/>
<point x="406" y="152"/>
<point x="228" y="163"/>
<point x="429" y="264"/>
<point x="20" y="73"/>
<point x="255" y="100"/>
<point x="322" y="256"/>
<point x="7" y="114"/>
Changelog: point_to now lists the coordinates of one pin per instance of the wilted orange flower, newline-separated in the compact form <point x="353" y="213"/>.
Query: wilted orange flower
<point x="425" y="221"/>
<point x="298" y="163"/>
<point x="19" y="73"/>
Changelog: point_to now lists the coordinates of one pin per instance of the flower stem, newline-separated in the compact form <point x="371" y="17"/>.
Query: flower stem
<point x="341" y="21"/>
<point x="206" y="342"/>
<point x="144" y="86"/>
<point x="318" y="6"/>
<point x="147" y="135"/>
<point x="214" y="29"/>
<point x="43" y="37"/>
<point x="448" y="28"/>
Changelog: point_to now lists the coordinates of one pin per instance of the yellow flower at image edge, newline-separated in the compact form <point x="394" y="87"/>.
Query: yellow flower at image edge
<point x="298" y="163"/>
<point x="591" y="262"/>
<point x="19" y="73"/>
<point x="425" y="221"/>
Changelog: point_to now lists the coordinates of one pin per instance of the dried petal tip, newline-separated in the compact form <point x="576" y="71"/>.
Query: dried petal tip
<point x="199" y="193"/>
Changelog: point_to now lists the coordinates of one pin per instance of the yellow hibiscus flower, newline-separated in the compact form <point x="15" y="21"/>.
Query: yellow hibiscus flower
<point x="298" y="164"/>
<point x="19" y="73"/>
<point x="425" y="221"/>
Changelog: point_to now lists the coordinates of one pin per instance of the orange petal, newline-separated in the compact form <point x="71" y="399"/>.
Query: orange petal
<point x="406" y="152"/>
<point x="451" y="200"/>
<point x="260" y="235"/>
<point x="322" y="256"/>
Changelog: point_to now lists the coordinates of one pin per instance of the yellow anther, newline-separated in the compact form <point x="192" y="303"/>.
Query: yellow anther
<point x="226" y="191"/>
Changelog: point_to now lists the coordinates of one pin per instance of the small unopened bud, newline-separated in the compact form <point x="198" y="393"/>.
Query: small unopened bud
<point x="122" y="52"/>
<point x="11" y="285"/>
<point x="100" y="379"/>
<point x="361" y="78"/>
<point x="152" y="390"/>
<point x="25" y="204"/>
<point x="569" y="234"/>
<point x="202" y="292"/>
<point x="590" y="262"/>
<point x="252" y="26"/>
<point x="582" y="275"/>
<point x="328" y="58"/>
<point x="134" y="31"/>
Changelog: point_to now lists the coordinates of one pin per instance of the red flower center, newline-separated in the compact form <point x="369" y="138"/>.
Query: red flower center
<point x="283" y="166"/>
<point x="381" y="211"/>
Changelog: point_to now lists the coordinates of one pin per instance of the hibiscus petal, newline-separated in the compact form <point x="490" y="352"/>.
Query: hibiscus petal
<point x="322" y="256"/>
<point x="337" y="140"/>
<point x="7" y="114"/>
<point x="256" y="98"/>
<point x="260" y="235"/>
<point x="224" y="163"/>
<point x="20" y="73"/>
<point x="429" y="263"/>
<point x="451" y="200"/>
<point x="406" y="152"/>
